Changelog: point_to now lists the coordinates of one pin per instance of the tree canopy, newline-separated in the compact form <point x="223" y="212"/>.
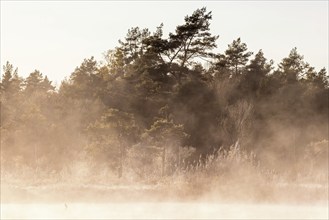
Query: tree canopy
<point x="153" y="90"/>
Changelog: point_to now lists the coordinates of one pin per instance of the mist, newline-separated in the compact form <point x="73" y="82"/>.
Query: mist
<point x="153" y="126"/>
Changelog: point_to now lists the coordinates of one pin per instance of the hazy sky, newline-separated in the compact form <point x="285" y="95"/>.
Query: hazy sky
<point x="55" y="36"/>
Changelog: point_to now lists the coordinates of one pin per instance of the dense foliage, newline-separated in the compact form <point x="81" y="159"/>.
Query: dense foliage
<point x="164" y="104"/>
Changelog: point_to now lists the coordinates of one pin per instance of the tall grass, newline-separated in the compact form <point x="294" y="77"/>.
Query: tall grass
<point x="227" y="174"/>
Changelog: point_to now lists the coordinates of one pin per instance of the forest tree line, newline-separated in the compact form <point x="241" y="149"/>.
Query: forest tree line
<point x="167" y="100"/>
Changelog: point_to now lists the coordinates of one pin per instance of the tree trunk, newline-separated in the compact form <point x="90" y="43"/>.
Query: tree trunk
<point x="163" y="161"/>
<point x="120" y="170"/>
<point x="35" y="163"/>
<point x="178" y="157"/>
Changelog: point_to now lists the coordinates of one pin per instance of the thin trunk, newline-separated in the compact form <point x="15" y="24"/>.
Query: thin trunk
<point x="120" y="171"/>
<point x="35" y="162"/>
<point x="179" y="168"/>
<point x="294" y="159"/>
<point x="163" y="160"/>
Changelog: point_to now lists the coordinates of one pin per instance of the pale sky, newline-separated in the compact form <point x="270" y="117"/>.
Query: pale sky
<point x="55" y="36"/>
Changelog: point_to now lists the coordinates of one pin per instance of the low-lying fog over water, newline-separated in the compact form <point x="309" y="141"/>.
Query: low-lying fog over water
<point x="154" y="132"/>
<point x="149" y="202"/>
<point x="162" y="211"/>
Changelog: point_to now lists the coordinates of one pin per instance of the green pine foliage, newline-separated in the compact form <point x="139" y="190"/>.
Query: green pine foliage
<point x="153" y="108"/>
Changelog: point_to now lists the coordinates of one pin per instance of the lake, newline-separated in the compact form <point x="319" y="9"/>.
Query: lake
<point x="162" y="210"/>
